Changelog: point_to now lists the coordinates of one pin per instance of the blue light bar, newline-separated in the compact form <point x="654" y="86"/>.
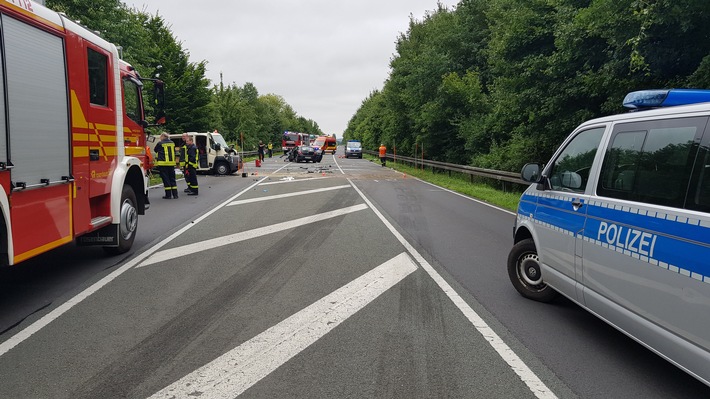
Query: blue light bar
<point x="665" y="98"/>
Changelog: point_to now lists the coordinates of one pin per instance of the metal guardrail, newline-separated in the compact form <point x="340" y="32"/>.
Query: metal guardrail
<point x="503" y="176"/>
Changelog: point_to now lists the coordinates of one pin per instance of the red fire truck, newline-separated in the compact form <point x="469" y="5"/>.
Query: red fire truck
<point x="72" y="138"/>
<point x="291" y="140"/>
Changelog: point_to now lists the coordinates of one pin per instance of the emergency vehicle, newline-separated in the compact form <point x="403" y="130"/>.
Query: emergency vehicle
<point x="214" y="155"/>
<point x="291" y="140"/>
<point x="619" y="222"/>
<point x="325" y="143"/>
<point x="72" y="139"/>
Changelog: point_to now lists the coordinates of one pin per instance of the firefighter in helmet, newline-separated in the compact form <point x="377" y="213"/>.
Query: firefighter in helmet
<point x="165" y="161"/>
<point x="191" y="166"/>
<point x="183" y="159"/>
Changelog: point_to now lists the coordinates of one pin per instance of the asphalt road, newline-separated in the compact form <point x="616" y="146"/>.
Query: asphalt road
<point x="339" y="279"/>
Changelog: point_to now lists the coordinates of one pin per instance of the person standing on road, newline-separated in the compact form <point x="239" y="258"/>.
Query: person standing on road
<point x="165" y="154"/>
<point x="383" y="154"/>
<point x="183" y="159"/>
<point x="261" y="151"/>
<point x="270" y="147"/>
<point x="191" y="166"/>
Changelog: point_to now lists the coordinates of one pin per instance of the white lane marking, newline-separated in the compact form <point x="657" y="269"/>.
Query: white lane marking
<point x="293" y="180"/>
<point x="66" y="306"/>
<point x="279" y="196"/>
<point x="173" y="253"/>
<point x="530" y="379"/>
<point x="234" y="372"/>
<point x="337" y="164"/>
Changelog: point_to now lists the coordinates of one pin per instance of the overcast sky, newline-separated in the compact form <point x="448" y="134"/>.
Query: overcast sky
<point x="322" y="56"/>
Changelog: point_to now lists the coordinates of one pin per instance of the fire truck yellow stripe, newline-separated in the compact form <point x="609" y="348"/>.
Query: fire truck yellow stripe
<point x="135" y="151"/>
<point x="77" y="114"/>
<point x="81" y="152"/>
<point x="44" y="248"/>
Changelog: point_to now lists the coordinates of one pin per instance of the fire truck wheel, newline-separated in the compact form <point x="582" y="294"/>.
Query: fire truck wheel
<point x="128" y="224"/>
<point x="222" y="168"/>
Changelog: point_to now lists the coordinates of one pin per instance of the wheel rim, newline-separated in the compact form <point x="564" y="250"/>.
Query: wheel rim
<point x="529" y="270"/>
<point x="129" y="219"/>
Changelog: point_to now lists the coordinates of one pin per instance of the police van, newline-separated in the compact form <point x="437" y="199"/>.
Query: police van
<point x="619" y="222"/>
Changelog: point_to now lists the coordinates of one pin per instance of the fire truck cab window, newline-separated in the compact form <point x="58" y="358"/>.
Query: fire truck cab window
<point x="132" y="103"/>
<point x="97" y="78"/>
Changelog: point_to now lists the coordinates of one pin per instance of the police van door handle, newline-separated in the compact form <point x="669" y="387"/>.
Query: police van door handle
<point x="576" y="204"/>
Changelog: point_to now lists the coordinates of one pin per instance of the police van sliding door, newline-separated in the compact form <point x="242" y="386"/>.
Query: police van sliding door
<point x="38" y="137"/>
<point x="647" y="238"/>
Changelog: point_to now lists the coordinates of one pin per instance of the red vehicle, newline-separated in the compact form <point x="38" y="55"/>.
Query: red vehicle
<point x="292" y="140"/>
<point x="326" y="143"/>
<point x="72" y="139"/>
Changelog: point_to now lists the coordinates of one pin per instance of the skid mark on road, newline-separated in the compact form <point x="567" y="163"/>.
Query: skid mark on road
<point x="173" y="253"/>
<point x="234" y="372"/>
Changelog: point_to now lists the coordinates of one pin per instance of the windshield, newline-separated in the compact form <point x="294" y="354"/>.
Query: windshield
<point x="219" y="140"/>
<point x="291" y="136"/>
<point x="354" y="144"/>
<point x="320" y="142"/>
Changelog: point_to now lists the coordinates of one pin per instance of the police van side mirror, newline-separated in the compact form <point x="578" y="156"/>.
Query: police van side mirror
<point x="531" y="173"/>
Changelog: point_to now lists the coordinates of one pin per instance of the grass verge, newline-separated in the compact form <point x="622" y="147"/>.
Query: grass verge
<point x="461" y="183"/>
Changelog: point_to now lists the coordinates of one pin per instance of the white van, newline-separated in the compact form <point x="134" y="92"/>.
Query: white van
<point x="213" y="153"/>
<point x="618" y="221"/>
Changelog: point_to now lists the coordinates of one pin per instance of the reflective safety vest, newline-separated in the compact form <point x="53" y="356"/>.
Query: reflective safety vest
<point x="165" y="151"/>
<point x="383" y="151"/>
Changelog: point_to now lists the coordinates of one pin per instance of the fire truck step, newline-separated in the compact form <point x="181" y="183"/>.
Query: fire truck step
<point x="100" y="221"/>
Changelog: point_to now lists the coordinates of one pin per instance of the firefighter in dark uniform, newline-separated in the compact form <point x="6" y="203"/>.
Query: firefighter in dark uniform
<point x="191" y="166"/>
<point x="183" y="159"/>
<point x="165" y="161"/>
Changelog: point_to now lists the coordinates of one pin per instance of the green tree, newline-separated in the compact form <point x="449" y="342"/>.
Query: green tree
<point x="151" y="47"/>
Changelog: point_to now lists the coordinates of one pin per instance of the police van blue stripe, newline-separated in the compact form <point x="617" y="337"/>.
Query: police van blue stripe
<point x="668" y="241"/>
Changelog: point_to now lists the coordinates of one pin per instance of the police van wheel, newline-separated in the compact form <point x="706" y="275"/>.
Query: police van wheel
<point x="128" y="223"/>
<point x="524" y="272"/>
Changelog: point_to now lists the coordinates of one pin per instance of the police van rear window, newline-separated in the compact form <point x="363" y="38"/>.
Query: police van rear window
<point x="652" y="162"/>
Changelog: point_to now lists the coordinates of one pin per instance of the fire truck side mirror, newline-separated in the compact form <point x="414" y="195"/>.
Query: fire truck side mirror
<point x="159" y="98"/>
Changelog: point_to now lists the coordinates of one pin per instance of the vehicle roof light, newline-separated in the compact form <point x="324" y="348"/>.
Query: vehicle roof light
<point x="665" y="98"/>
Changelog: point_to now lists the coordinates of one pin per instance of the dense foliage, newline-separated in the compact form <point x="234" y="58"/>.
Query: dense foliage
<point x="497" y="83"/>
<point x="192" y="102"/>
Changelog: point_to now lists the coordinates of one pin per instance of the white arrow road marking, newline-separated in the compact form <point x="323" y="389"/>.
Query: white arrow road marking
<point x="234" y="372"/>
<point x="279" y="196"/>
<point x="173" y="253"/>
